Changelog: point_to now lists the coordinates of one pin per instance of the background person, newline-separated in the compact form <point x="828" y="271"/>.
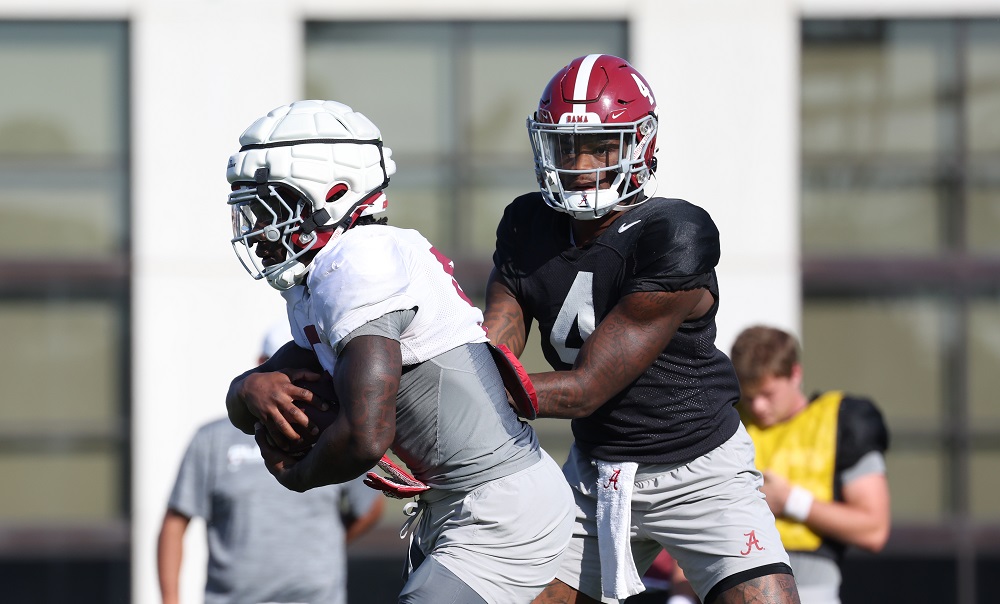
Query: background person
<point x="265" y="543"/>
<point x="822" y="459"/>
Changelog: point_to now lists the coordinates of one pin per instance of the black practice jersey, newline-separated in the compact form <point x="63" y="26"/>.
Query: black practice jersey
<point x="683" y="405"/>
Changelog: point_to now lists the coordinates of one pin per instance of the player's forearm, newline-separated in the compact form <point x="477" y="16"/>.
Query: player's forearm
<point x="504" y="319"/>
<point x="169" y="584"/>
<point x="169" y="553"/>
<point x="361" y="525"/>
<point x="861" y="518"/>
<point x="613" y="357"/>
<point x="367" y="381"/>
<point x="623" y="346"/>
<point x="864" y="528"/>
<point x="339" y="455"/>
<point x="565" y="394"/>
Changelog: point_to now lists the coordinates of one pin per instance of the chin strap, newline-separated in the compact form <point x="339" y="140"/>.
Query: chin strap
<point x="319" y="219"/>
<point x="316" y="220"/>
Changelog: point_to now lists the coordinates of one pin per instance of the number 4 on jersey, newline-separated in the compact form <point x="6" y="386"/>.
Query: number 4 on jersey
<point x="578" y="307"/>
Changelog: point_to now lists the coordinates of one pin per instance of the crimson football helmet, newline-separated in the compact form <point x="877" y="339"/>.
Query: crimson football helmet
<point x="593" y="99"/>
<point x="305" y="172"/>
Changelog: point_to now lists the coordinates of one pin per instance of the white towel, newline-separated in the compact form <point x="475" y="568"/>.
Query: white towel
<point x="619" y="579"/>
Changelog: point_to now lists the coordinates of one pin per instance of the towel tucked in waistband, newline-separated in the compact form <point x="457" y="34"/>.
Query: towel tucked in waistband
<point x="619" y="578"/>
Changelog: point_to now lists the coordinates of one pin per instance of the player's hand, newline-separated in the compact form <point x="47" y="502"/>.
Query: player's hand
<point x="280" y="464"/>
<point x="776" y="488"/>
<point x="270" y="397"/>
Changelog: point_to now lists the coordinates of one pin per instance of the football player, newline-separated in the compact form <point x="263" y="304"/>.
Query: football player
<point x="377" y="308"/>
<point x="822" y="458"/>
<point x="622" y="285"/>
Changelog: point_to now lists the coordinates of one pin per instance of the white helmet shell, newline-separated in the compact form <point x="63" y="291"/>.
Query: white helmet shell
<point x="332" y="160"/>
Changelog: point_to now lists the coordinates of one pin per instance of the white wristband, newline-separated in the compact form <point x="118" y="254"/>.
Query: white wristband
<point x="798" y="504"/>
<point x="680" y="600"/>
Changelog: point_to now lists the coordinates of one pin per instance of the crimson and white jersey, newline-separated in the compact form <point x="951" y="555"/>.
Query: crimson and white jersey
<point x="454" y="428"/>
<point x="373" y="270"/>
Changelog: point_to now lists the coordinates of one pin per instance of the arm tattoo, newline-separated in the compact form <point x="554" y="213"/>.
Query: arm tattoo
<point x="504" y="318"/>
<point x="368" y="379"/>
<point x="624" y="345"/>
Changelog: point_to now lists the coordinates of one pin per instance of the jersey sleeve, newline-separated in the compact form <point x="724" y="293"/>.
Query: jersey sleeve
<point x="389" y="326"/>
<point x="677" y="250"/>
<point x="861" y="430"/>
<point x="366" y="278"/>
<point x="191" y="495"/>
<point x="505" y="258"/>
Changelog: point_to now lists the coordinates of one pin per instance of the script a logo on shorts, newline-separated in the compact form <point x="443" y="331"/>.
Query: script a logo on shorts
<point x="752" y="543"/>
<point x="613" y="480"/>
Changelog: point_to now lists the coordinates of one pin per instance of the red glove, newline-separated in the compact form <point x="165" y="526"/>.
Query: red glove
<point x="516" y="381"/>
<point x="399" y="484"/>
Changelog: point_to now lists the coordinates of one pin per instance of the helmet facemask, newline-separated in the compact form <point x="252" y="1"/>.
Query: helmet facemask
<point x="271" y="215"/>
<point x="607" y="183"/>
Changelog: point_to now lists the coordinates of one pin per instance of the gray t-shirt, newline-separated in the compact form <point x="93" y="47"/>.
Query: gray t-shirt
<point x="265" y="543"/>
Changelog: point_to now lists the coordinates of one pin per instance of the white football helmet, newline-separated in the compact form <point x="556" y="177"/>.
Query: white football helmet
<point x="305" y="172"/>
<point x="595" y="97"/>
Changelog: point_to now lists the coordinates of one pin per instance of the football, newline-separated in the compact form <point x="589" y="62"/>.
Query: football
<point x="322" y="389"/>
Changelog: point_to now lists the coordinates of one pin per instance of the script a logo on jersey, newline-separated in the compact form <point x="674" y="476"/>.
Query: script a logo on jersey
<point x="752" y="543"/>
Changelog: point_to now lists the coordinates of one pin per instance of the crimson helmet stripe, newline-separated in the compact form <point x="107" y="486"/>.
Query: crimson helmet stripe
<point x="583" y="83"/>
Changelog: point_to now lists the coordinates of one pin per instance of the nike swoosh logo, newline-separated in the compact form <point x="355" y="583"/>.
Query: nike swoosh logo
<point x="626" y="227"/>
<point x="616" y="114"/>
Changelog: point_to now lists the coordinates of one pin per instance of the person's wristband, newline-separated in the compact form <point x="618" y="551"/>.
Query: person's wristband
<point x="798" y="504"/>
<point x="679" y="599"/>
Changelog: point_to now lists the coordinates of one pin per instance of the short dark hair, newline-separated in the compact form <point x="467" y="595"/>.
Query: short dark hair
<point x="367" y="220"/>
<point x="760" y="352"/>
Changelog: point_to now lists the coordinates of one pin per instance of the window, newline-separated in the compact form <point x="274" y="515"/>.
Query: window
<point x="64" y="303"/>
<point x="451" y="100"/>
<point x="901" y="270"/>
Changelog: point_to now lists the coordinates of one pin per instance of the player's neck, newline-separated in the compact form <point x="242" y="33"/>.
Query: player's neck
<point x="584" y="232"/>
<point x="801" y="402"/>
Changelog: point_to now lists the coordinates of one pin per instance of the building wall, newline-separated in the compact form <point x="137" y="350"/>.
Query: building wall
<point x="726" y="76"/>
<point x="208" y="69"/>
